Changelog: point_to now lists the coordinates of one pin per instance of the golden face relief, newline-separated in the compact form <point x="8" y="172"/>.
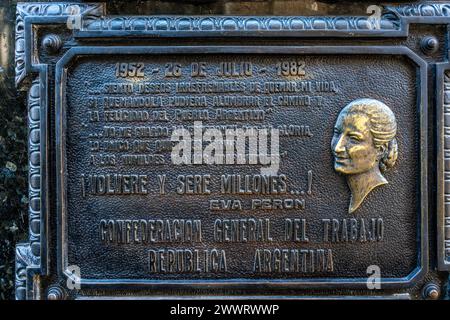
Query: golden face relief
<point x="364" y="146"/>
<point x="352" y="144"/>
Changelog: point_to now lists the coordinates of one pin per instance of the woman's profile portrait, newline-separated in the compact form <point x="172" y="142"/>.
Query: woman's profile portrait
<point x="364" y="146"/>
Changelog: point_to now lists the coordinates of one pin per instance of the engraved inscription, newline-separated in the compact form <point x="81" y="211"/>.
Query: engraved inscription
<point x="219" y="166"/>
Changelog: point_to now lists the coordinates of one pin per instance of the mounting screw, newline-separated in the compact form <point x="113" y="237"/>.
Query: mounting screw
<point x="56" y="293"/>
<point x="52" y="43"/>
<point x="429" y="44"/>
<point x="431" y="291"/>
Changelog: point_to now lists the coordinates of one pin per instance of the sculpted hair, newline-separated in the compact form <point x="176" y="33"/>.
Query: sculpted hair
<point x="383" y="127"/>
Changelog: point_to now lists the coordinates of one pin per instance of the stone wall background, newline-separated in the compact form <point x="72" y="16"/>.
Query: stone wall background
<point x="13" y="117"/>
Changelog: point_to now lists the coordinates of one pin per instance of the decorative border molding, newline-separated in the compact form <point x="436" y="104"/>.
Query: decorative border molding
<point x="93" y="23"/>
<point x="34" y="172"/>
<point x="236" y="23"/>
<point x="29" y="254"/>
<point x="393" y="19"/>
<point x="389" y="21"/>
<point x="25" y="10"/>
<point x="394" y="22"/>
<point x="24" y="259"/>
<point x="422" y="10"/>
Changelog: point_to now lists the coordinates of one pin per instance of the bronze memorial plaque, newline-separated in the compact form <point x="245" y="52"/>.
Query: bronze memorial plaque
<point x="243" y="156"/>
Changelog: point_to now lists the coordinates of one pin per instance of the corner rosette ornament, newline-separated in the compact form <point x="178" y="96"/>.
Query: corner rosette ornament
<point x="364" y="146"/>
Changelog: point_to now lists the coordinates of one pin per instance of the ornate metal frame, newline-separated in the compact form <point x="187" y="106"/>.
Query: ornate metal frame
<point x="33" y="258"/>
